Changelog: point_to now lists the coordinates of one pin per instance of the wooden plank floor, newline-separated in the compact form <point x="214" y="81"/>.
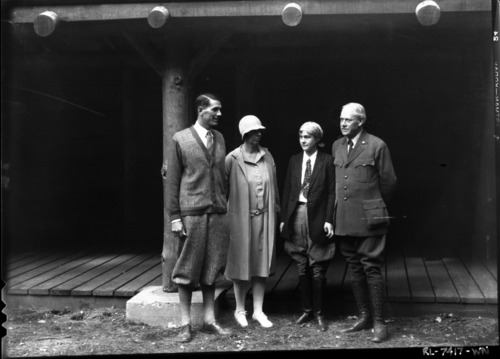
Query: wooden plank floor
<point x="415" y="275"/>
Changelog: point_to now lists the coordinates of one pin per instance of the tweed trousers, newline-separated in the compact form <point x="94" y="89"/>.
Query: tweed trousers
<point x="309" y="257"/>
<point x="202" y="253"/>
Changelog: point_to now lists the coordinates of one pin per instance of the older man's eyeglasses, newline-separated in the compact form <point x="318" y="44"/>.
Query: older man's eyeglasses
<point x="348" y="120"/>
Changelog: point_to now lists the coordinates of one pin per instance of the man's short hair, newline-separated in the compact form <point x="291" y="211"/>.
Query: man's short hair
<point x="354" y="109"/>
<point x="203" y="100"/>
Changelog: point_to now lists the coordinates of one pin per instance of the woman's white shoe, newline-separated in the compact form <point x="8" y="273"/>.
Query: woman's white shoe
<point x="262" y="319"/>
<point x="240" y="316"/>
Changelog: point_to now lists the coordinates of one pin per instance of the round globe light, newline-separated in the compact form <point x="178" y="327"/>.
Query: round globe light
<point x="292" y="14"/>
<point x="428" y="12"/>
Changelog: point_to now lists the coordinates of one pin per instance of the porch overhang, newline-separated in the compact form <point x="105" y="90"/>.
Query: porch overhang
<point x="107" y="12"/>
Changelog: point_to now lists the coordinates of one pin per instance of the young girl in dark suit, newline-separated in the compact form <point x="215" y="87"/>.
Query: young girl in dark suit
<point x="306" y="220"/>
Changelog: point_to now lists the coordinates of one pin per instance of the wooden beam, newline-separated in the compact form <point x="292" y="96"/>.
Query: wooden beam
<point x="199" y="61"/>
<point x="238" y="8"/>
<point x="147" y="51"/>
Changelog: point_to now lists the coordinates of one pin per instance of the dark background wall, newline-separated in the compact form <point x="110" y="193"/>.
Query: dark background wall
<point x="82" y="140"/>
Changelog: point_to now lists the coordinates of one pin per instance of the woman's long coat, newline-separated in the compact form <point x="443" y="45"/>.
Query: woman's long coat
<point x="239" y="214"/>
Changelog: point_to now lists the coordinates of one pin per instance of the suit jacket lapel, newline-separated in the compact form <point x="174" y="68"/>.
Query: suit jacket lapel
<point x="360" y="147"/>
<point x="298" y="169"/>
<point x="341" y="153"/>
<point x="317" y="166"/>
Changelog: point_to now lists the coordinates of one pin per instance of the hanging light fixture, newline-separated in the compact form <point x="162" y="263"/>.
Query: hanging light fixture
<point x="158" y="17"/>
<point x="291" y="14"/>
<point x="428" y="12"/>
<point x="45" y="23"/>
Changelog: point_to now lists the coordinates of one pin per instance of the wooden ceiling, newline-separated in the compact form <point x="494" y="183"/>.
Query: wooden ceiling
<point x="120" y="36"/>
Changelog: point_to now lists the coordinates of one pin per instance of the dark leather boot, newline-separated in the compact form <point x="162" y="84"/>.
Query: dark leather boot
<point x="319" y="303"/>
<point x="377" y="298"/>
<point x="360" y="290"/>
<point x="305" y="296"/>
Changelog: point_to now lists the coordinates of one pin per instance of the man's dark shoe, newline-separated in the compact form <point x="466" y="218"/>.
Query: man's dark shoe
<point x="185" y="335"/>
<point x="322" y="323"/>
<point x="304" y="318"/>
<point x="364" y="322"/>
<point x="215" y="328"/>
<point x="380" y="333"/>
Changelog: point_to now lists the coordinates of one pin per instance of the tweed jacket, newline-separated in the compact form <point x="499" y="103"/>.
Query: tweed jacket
<point x="320" y="200"/>
<point x="196" y="179"/>
<point x="365" y="183"/>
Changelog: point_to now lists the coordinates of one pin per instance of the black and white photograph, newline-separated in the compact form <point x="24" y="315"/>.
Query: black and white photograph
<point x="236" y="178"/>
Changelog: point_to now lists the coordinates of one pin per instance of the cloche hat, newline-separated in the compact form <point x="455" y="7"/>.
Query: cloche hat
<point x="249" y="123"/>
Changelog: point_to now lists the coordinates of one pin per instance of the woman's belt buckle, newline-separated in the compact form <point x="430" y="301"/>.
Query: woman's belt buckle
<point x="257" y="212"/>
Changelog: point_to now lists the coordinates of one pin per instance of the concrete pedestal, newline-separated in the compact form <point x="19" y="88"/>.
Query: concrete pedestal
<point x="154" y="307"/>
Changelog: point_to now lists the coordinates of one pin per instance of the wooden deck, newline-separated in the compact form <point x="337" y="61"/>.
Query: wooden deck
<point x="413" y="276"/>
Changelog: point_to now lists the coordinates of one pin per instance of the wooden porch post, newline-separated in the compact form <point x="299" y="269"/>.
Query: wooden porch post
<point x="175" y="118"/>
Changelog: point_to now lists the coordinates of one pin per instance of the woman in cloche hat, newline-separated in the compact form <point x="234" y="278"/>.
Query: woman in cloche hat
<point x="253" y="204"/>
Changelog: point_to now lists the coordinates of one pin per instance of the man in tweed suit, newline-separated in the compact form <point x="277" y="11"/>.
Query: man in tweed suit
<point x="365" y="182"/>
<point x="197" y="204"/>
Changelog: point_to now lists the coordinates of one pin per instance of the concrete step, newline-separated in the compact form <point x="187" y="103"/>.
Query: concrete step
<point x="154" y="307"/>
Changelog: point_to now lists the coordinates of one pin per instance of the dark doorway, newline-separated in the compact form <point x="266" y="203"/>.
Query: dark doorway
<point x="90" y="174"/>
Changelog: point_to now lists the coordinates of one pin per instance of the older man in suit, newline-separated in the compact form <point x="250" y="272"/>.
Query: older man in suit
<point x="307" y="216"/>
<point x="365" y="183"/>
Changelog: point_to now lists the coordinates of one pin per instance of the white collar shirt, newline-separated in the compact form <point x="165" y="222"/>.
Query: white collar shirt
<point x="202" y="132"/>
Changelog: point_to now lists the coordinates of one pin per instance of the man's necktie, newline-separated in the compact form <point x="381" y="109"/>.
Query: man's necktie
<point x="210" y="141"/>
<point x="307" y="178"/>
<point x="349" y="146"/>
